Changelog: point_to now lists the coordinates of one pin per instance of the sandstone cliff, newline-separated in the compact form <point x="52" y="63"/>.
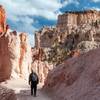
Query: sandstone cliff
<point x="15" y="52"/>
<point x="70" y="19"/>
<point x="15" y="59"/>
<point x="80" y="26"/>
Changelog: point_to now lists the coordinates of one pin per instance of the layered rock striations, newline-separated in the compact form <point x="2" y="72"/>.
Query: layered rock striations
<point x="5" y="63"/>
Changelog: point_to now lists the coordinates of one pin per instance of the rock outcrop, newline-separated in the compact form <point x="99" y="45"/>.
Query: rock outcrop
<point x="14" y="62"/>
<point x="7" y="94"/>
<point x="76" y="79"/>
<point x="70" y="19"/>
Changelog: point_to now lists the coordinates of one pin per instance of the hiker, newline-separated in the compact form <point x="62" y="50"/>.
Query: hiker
<point x="33" y="81"/>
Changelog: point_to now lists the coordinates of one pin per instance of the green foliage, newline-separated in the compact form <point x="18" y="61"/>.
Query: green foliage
<point x="57" y="54"/>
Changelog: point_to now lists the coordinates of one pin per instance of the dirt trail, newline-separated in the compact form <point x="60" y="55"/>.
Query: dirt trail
<point x="22" y="90"/>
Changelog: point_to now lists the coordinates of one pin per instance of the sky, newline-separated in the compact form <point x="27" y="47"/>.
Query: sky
<point x="31" y="15"/>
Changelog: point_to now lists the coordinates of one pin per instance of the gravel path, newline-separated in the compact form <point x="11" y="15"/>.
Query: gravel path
<point x="22" y="90"/>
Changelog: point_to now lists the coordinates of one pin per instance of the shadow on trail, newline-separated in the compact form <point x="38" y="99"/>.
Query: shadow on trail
<point x="26" y="95"/>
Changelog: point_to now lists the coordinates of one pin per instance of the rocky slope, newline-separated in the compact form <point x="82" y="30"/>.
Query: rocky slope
<point x="76" y="79"/>
<point x="7" y="94"/>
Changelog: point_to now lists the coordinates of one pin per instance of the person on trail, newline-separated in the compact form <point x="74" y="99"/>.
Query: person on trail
<point x="33" y="81"/>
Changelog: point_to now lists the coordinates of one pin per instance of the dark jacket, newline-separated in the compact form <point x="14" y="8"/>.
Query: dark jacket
<point x="30" y="79"/>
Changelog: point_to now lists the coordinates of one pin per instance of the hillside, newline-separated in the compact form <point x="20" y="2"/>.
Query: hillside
<point x="76" y="79"/>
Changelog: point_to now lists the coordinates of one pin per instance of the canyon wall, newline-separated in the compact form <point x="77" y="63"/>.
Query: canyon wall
<point x="15" y="52"/>
<point x="21" y="51"/>
<point x="5" y="63"/>
<point x="15" y="56"/>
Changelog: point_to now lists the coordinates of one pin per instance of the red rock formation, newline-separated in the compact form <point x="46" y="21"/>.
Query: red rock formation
<point x="15" y="61"/>
<point x="23" y="50"/>
<point x="76" y="79"/>
<point x="5" y="63"/>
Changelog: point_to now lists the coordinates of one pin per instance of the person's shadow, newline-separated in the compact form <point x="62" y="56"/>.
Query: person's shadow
<point x="25" y="95"/>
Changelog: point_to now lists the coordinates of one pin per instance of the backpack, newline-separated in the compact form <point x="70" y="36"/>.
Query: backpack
<point x="34" y="77"/>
